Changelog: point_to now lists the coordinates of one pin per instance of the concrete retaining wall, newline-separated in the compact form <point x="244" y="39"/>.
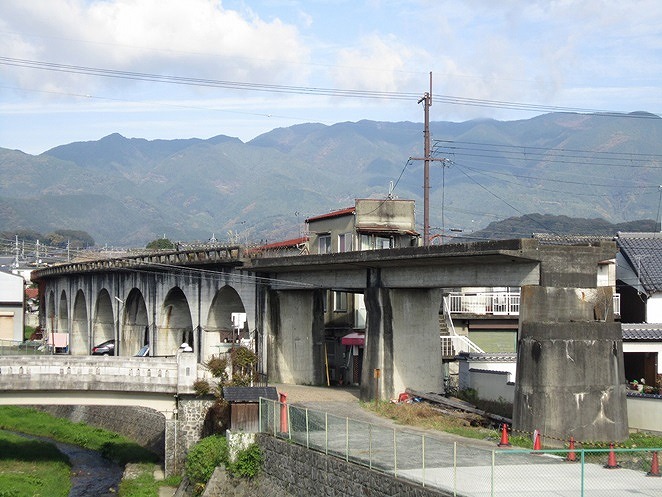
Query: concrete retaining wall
<point x="645" y="412"/>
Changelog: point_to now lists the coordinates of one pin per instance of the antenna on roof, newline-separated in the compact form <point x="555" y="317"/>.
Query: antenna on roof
<point x="390" y="190"/>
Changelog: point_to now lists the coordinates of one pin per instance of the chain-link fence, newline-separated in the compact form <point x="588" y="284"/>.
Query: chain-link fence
<point x="465" y="470"/>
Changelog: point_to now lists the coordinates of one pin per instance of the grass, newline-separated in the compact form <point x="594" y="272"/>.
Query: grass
<point x="422" y="415"/>
<point x="30" y="468"/>
<point x="111" y="445"/>
<point x="41" y="465"/>
<point x="143" y="483"/>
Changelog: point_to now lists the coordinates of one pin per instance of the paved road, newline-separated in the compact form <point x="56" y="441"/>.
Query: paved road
<point x="453" y="463"/>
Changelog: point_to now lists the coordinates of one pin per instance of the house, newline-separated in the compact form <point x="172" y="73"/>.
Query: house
<point x="371" y="224"/>
<point x="639" y="281"/>
<point x="294" y="246"/>
<point x="12" y="308"/>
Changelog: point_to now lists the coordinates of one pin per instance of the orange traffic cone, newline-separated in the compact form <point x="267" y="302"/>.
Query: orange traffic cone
<point x="611" y="462"/>
<point x="571" y="451"/>
<point x="536" y="441"/>
<point x="504" y="436"/>
<point x="655" y="467"/>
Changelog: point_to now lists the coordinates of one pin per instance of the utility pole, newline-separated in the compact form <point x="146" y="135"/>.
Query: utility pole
<point x="426" y="99"/>
<point x="17" y="252"/>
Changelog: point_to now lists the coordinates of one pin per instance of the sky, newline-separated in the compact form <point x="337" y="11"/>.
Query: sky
<point x="79" y="70"/>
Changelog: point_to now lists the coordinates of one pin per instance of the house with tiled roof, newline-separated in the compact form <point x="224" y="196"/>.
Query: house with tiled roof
<point x="639" y="281"/>
<point x="370" y="224"/>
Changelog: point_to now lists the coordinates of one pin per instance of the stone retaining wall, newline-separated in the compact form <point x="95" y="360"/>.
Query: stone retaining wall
<point x="307" y="473"/>
<point x="144" y="426"/>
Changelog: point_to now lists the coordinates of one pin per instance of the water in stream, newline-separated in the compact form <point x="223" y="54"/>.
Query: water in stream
<point x="92" y="474"/>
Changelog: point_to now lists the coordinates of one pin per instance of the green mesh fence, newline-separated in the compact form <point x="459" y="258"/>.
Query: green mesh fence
<point x="473" y="470"/>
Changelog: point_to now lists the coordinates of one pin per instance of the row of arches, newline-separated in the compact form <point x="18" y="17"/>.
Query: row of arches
<point x="130" y="323"/>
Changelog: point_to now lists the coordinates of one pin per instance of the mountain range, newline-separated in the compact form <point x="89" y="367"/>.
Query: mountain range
<point x="128" y="191"/>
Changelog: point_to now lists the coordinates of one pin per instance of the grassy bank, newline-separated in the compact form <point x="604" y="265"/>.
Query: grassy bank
<point x="111" y="445"/>
<point x="30" y="467"/>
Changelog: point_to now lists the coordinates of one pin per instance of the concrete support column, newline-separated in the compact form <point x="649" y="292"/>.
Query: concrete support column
<point x="296" y="336"/>
<point x="402" y="349"/>
<point x="570" y="375"/>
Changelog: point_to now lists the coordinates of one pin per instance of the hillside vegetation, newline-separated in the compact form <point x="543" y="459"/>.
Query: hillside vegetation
<point x="129" y="191"/>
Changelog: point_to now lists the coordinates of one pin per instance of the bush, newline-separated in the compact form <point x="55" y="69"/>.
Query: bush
<point x="203" y="458"/>
<point x="201" y="387"/>
<point x="248" y="463"/>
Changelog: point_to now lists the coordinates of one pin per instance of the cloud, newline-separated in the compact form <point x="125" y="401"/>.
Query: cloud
<point x="379" y="63"/>
<point x="197" y="38"/>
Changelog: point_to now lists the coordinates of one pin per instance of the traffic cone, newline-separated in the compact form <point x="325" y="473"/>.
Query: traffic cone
<point x="655" y="467"/>
<point x="536" y="441"/>
<point x="611" y="462"/>
<point x="571" y="457"/>
<point x="504" y="436"/>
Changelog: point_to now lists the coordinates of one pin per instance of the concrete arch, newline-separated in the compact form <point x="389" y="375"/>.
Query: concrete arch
<point x="176" y="323"/>
<point x="135" y="324"/>
<point x="103" y="325"/>
<point x="63" y="314"/>
<point x="219" y="327"/>
<point x="79" y="342"/>
<point x="50" y="312"/>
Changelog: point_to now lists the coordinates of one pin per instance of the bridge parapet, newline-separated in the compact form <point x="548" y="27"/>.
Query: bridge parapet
<point x="169" y="375"/>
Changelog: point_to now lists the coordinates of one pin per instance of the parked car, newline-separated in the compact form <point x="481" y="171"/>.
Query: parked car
<point x="105" y="348"/>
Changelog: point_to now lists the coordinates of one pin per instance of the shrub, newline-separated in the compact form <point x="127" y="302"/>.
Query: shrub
<point x="217" y="366"/>
<point x="201" y="387"/>
<point x="203" y="457"/>
<point x="248" y="462"/>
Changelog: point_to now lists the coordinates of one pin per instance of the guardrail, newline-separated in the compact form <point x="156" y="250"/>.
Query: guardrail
<point x="464" y="470"/>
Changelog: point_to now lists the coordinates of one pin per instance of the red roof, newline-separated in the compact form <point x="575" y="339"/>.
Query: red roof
<point x="342" y="212"/>
<point x="32" y="293"/>
<point x="294" y="242"/>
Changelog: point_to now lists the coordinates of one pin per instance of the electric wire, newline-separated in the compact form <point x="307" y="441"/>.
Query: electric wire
<point x="306" y="90"/>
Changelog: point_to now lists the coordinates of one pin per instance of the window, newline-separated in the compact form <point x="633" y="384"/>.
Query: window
<point x="345" y="242"/>
<point x="340" y="301"/>
<point x="366" y="242"/>
<point x="383" y="243"/>
<point x="324" y="244"/>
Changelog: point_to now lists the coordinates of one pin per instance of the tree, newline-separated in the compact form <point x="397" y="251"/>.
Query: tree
<point x="160" y="244"/>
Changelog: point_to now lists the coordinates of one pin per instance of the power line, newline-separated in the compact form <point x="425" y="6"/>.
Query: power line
<point x="305" y="90"/>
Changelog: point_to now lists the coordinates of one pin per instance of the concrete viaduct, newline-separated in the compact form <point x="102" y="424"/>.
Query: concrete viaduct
<point x="570" y="377"/>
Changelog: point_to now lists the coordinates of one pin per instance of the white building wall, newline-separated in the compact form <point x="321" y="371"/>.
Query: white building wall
<point x="654" y="308"/>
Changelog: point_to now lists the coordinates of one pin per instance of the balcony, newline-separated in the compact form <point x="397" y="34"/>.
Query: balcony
<point x="492" y="303"/>
<point x="497" y="303"/>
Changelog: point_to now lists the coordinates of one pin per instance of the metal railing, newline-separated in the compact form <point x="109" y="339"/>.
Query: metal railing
<point x="497" y="304"/>
<point x="464" y="470"/>
<point x="454" y="344"/>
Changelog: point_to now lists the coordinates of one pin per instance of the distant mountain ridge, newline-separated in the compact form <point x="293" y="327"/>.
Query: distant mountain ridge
<point x="127" y="192"/>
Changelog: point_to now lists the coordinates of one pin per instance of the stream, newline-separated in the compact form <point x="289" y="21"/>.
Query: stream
<point x="91" y="474"/>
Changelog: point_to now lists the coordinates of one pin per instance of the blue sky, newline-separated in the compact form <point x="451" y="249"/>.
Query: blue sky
<point x="584" y="54"/>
